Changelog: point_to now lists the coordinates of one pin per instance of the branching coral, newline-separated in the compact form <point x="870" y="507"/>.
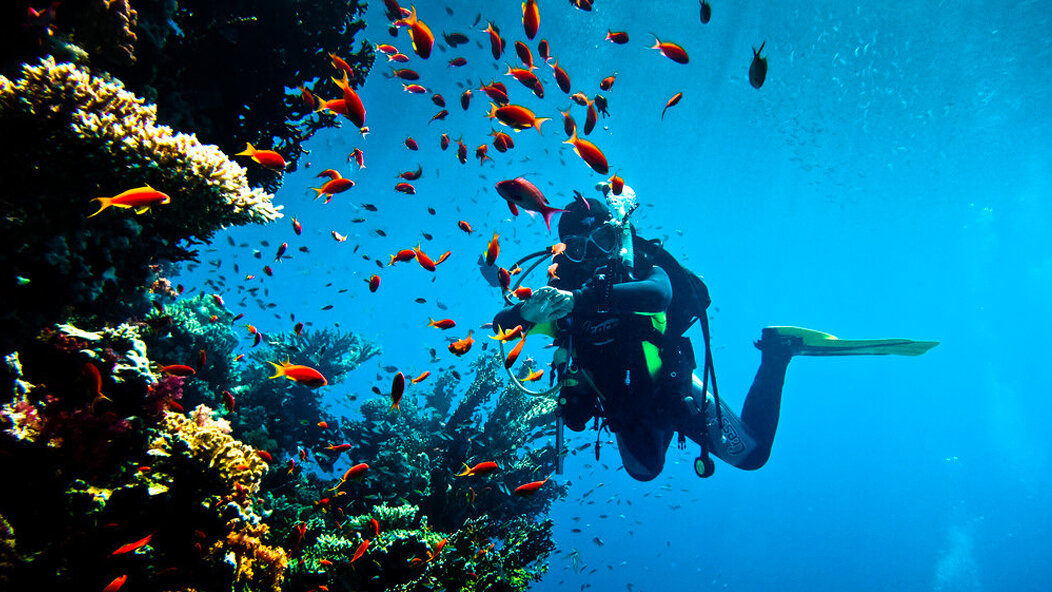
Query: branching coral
<point x="70" y="136"/>
<point x="253" y="561"/>
<point x="103" y="28"/>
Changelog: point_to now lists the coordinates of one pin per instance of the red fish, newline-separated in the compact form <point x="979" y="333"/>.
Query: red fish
<point x="337" y="236"/>
<point x="618" y="37"/>
<point x="403" y="255"/>
<point x="457" y="62"/>
<point x="439" y="116"/>
<point x="323" y="425"/>
<point x="590" y="153"/>
<point x="561" y="77"/>
<point x="397" y="390"/>
<point x="516" y="117"/>
<point x="133" y="546"/>
<point x="386" y="49"/>
<point x="496" y="44"/>
<point x="297" y="328"/>
<point x="405" y="188"/>
<point x="229" y="402"/>
<point x="502" y="141"/>
<point x="671" y="103"/>
<point x="525" y="55"/>
<point x="376" y="526"/>
<point x="569" y="125"/>
<point x="411" y="144"/>
<point x="531" y="18"/>
<point x="527" y="78"/>
<point x="357" y="472"/>
<point x="543" y="50"/>
<point x="401" y="58"/>
<point x="514" y="354"/>
<point x="412" y="175"/>
<point x="304" y="375"/>
<point x="508" y="334"/>
<point x="336" y="184"/>
<point x="297" y="227"/>
<point x="529" y="488"/>
<point x="405" y="73"/>
<point x="423" y="259"/>
<point x="442" y="257"/>
<point x="358" y="157"/>
<point x="608" y="82"/>
<point x="268" y="158"/>
<point x="374" y="282"/>
<point x="423" y="39"/>
<point x="266" y="456"/>
<point x="504" y="277"/>
<point x="352" y="102"/>
<point x="140" y="198"/>
<point x="441" y="324"/>
<point x="522" y="293"/>
<point x="338" y="448"/>
<point x="465" y="100"/>
<point x="465" y="226"/>
<point x="671" y="51"/>
<point x="480" y="153"/>
<point x="177" y="370"/>
<point x="362" y="548"/>
<point x="119" y="580"/>
<point x="341" y="64"/>
<point x="461" y="346"/>
<point x="492" y="249"/>
<point x="479" y="469"/>
<point x="415" y="89"/>
<point x="521" y="193"/>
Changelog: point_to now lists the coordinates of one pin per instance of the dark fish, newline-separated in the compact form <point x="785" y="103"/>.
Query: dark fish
<point x="455" y="39"/>
<point x="357" y="220"/>
<point x="758" y="68"/>
<point x="441" y="306"/>
<point x="427" y="236"/>
<point x="431" y="211"/>
<point x="380" y="232"/>
<point x="230" y="240"/>
<point x="420" y="300"/>
<point x="390" y="369"/>
<point x="706" y="12"/>
<point x="455" y="374"/>
<point x="369" y="207"/>
<point x="304" y="250"/>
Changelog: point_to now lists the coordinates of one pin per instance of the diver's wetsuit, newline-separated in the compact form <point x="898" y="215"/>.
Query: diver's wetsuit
<point x="642" y="405"/>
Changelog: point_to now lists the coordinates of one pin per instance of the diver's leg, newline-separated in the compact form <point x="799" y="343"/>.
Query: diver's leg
<point x="744" y="442"/>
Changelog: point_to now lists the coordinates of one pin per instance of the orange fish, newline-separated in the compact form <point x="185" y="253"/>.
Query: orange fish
<point x="504" y="277"/>
<point x="423" y="259"/>
<point x="119" y="580"/>
<point x="465" y="226"/>
<point x="412" y="175"/>
<point x="514" y="355"/>
<point x="557" y="249"/>
<point x="671" y="102"/>
<point x="561" y="78"/>
<point x="532" y="376"/>
<point x="177" y="370"/>
<point x="341" y="64"/>
<point x="525" y="55"/>
<point x="544" y="50"/>
<point x="531" y="18"/>
<point x="405" y="188"/>
<point x="357" y="472"/>
<point x="502" y="141"/>
<point x="516" y="117"/>
<point x="133" y="546"/>
<point x="268" y="158"/>
<point x="618" y="37"/>
<point x="337" y="448"/>
<point x="461" y="346"/>
<point x="425" y="374"/>
<point x="617" y="184"/>
<point x="481" y="468"/>
<point x="442" y="324"/>
<point x="492" y="249"/>
<point x="358" y="157"/>
<point x="362" y="548"/>
<point x="529" y="488"/>
<point x="386" y="49"/>
<point x="325" y="563"/>
<point x="415" y="89"/>
<point x="376" y="526"/>
<point x="552" y="271"/>
<point x="266" y="456"/>
<point x="496" y="44"/>
<point x="608" y="82"/>
<point x="403" y="255"/>
<point x="229" y="402"/>
<point x="337" y="236"/>
<point x="301" y="374"/>
<point x="423" y="39"/>
<point x="336" y="184"/>
<point x="588" y="152"/>
<point x="442" y="257"/>
<point x="480" y="153"/>
<point x="397" y="390"/>
<point x="524" y="76"/>
<point x="522" y="293"/>
<point x="438" y="549"/>
<point x="352" y="102"/>
<point x="140" y="198"/>
<point x="508" y="334"/>
<point x="671" y="51"/>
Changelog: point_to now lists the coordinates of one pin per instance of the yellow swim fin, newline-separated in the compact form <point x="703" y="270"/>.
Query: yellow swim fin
<point x="808" y="342"/>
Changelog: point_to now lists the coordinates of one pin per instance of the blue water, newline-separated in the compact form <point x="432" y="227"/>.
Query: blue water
<point x="891" y="179"/>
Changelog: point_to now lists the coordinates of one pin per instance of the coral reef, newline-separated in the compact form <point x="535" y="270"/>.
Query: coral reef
<point x="71" y="136"/>
<point x="252" y="560"/>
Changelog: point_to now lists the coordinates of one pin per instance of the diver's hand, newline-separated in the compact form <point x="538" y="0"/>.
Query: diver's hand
<point x="547" y="304"/>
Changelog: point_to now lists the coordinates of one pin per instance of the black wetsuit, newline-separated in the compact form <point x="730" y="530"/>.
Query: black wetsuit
<point x="606" y="333"/>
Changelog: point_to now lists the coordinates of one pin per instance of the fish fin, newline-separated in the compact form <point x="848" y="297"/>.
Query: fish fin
<point x="105" y="201"/>
<point x="537" y="121"/>
<point x="756" y="52"/>
<point x="248" y="151"/>
<point x="547" y="213"/>
<point x="279" y="370"/>
<point x="514" y="209"/>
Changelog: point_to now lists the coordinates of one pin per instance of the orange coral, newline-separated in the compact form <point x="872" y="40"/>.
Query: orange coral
<point x="260" y="564"/>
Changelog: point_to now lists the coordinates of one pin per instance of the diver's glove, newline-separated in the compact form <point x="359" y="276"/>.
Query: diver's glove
<point x="547" y="304"/>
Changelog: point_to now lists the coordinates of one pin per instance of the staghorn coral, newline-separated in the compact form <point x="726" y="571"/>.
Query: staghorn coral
<point x="234" y="463"/>
<point x="100" y="140"/>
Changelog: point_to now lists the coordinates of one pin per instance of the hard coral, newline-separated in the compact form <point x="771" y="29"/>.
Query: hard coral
<point x="253" y="561"/>
<point x="68" y="136"/>
<point x="234" y="463"/>
<point x="103" y="28"/>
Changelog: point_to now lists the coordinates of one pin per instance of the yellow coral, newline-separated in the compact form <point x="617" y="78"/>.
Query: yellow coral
<point x="236" y="463"/>
<point x="96" y="112"/>
<point x="253" y="561"/>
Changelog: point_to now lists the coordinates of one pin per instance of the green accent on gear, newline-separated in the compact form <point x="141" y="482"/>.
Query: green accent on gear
<point x="651" y="352"/>
<point x="808" y="342"/>
<point x="545" y="328"/>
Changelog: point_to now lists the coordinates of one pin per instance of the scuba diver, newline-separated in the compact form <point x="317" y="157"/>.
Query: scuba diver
<point x="617" y="307"/>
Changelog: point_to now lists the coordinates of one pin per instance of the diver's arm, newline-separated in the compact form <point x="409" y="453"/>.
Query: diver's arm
<point x="651" y="294"/>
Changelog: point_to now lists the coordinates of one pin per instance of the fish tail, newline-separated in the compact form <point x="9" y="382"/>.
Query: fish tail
<point x="317" y="192"/>
<point x="466" y="471"/>
<point x="757" y="51"/>
<point x="547" y="213"/>
<point x="248" y="151"/>
<point x="537" y="121"/>
<point x="492" y="111"/>
<point x="395" y="407"/>
<point x="279" y="370"/>
<point x="105" y="203"/>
